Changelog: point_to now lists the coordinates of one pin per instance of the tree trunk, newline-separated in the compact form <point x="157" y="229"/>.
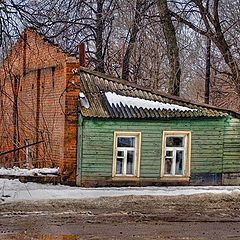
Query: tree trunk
<point x="208" y="70"/>
<point x="99" y="37"/>
<point x="172" y="47"/>
<point x="214" y="32"/>
<point x="223" y="47"/>
<point x="133" y="37"/>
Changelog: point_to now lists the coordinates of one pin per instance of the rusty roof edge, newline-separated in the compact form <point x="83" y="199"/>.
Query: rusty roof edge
<point x="162" y="94"/>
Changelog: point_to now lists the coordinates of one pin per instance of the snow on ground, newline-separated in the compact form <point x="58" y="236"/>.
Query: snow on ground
<point x="16" y="171"/>
<point x="14" y="190"/>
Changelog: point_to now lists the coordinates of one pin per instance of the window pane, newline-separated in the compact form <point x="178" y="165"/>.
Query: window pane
<point x="119" y="166"/>
<point x="168" y="166"/>
<point x="120" y="153"/>
<point x="126" y="142"/>
<point x="130" y="156"/>
<point x="174" y="142"/>
<point x="169" y="153"/>
<point x="179" y="162"/>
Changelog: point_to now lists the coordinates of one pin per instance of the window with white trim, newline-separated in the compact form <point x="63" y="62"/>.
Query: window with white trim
<point x="126" y="154"/>
<point x="176" y="154"/>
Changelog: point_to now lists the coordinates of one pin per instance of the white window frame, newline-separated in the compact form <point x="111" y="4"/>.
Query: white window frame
<point x="186" y="155"/>
<point x="136" y="149"/>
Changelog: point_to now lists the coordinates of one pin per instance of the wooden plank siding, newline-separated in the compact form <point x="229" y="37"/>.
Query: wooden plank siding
<point x="208" y="139"/>
<point x="231" y="146"/>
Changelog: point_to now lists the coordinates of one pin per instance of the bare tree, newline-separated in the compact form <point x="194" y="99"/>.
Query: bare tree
<point x="128" y="37"/>
<point x="139" y="11"/>
<point x="172" y="47"/>
<point x="210" y="24"/>
<point x="69" y="22"/>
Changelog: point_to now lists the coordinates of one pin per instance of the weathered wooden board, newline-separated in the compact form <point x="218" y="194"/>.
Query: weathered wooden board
<point x="231" y="146"/>
<point x="206" y="151"/>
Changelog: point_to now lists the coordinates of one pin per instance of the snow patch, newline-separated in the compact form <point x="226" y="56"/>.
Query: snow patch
<point x="16" y="171"/>
<point x="83" y="100"/>
<point x="14" y="190"/>
<point x="114" y="98"/>
<point x="81" y="95"/>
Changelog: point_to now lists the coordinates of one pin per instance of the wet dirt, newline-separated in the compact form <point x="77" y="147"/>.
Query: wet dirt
<point x="205" y="216"/>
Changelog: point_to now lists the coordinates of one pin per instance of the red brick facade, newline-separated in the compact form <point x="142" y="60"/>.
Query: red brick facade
<point x="38" y="101"/>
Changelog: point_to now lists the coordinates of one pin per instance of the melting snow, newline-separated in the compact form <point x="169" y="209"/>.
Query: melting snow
<point x="83" y="100"/>
<point x="114" y="98"/>
<point x="16" y="171"/>
<point x="14" y="190"/>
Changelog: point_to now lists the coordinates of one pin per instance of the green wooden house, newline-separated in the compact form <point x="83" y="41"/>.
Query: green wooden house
<point x="133" y="136"/>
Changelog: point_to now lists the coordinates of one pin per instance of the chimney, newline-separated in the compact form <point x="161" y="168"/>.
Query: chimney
<point x="82" y="54"/>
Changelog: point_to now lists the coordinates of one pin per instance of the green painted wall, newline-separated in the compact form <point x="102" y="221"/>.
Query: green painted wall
<point x="231" y="143"/>
<point x="209" y="137"/>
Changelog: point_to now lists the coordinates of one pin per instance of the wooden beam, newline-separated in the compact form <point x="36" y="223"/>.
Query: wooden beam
<point x="14" y="150"/>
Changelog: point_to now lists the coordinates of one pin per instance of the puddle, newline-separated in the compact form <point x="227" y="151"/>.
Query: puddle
<point x="39" y="237"/>
<point x="73" y="237"/>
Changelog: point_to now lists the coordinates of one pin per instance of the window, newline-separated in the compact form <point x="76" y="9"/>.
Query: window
<point x="126" y="155"/>
<point x="176" y="149"/>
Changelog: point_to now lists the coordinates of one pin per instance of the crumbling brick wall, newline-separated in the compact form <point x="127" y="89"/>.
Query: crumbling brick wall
<point x="39" y="102"/>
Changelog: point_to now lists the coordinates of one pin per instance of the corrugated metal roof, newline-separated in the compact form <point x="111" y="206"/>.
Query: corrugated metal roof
<point x="94" y="85"/>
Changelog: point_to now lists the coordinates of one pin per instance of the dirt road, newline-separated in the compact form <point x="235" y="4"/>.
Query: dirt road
<point x="203" y="216"/>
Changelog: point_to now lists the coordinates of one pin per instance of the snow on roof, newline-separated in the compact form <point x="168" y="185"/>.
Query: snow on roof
<point x="114" y="98"/>
<point x="83" y="100"/>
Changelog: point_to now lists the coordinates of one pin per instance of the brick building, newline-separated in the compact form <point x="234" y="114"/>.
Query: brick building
<point x="38" y="105"/>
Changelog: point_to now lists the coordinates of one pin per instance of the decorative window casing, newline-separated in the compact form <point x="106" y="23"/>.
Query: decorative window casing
<point x="176" y="153"/>
<point x="126" y="154"/>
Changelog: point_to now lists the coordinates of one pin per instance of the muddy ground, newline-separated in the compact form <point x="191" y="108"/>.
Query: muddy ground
<point x="203" y="216"/>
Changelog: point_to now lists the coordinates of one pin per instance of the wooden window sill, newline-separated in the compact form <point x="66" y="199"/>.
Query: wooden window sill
<point x="125" y="178"/>
<point x="175" y="178"/>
